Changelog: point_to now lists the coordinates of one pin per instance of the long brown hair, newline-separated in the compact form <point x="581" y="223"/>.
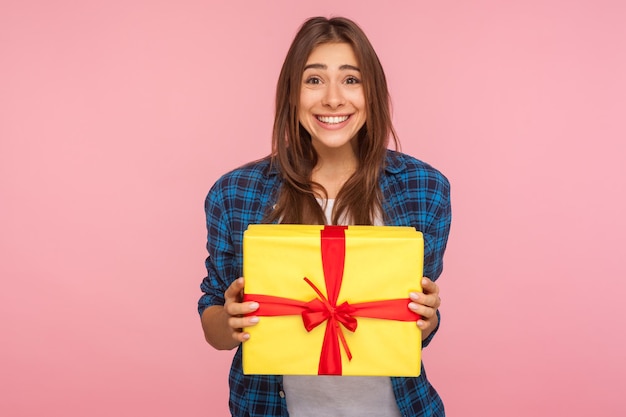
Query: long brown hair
<point x="360" y="199"/>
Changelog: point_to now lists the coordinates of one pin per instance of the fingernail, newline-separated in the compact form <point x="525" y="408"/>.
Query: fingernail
<point x="414" y="296"/>
<point x="253" y="306"/>
<point x="424" y="281"/>
<point x="413" y="306"/>
<point x="246" y="336"/>
<point x="420" y="323"/>
<point x="254" y="319"/>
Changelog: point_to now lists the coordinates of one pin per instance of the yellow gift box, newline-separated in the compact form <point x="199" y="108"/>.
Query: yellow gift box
<point x="333" y="300"/>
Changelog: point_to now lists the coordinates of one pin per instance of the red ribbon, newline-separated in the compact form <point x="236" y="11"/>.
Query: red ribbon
<point x="325" y="309"/>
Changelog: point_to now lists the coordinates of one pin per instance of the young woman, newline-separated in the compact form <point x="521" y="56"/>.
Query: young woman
<point x="329" y="165"/>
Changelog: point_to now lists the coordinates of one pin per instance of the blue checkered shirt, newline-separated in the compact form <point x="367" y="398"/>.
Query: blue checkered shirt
<point x="414" y="194"/>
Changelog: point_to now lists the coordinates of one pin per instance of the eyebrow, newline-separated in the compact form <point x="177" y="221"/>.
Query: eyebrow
<point x="324" y="66"/>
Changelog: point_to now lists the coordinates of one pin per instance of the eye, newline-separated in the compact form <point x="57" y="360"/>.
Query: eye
<point x="352" y="80"/>
<point x="313" y="80"/>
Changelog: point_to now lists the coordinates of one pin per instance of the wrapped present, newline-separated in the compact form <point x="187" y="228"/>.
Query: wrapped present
<point x="333" y="300"/>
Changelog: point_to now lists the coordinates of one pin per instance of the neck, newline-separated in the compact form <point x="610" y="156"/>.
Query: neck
<point x="333" y="169"/>
<point x="338" y="159"/>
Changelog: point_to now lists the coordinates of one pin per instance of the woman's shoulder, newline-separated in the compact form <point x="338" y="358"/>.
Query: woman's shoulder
<point x="258" y="170"/>
<point x="249" y="176"/>
<point x="406" y="165"/>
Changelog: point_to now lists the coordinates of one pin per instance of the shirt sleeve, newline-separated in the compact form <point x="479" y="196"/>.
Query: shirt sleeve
<point x="221" y="253"/>
<point x="437" y="238"/>
<point x="438" y="229"/>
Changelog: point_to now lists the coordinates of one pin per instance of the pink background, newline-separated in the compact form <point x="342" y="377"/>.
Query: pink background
<point x="117" y="116"/>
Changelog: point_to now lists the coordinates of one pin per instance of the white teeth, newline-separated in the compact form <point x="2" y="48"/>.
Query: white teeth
<point x="332" y="120"/>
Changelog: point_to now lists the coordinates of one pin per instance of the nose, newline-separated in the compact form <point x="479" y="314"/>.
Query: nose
<point x="333" y="96"/>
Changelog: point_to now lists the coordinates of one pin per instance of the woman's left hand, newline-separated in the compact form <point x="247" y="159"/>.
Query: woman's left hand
<point x="426" y="304"/>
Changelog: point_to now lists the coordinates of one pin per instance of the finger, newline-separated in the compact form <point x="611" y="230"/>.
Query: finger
<point x="239" y="309"/>
<point x="240" y="323"/>
<point x="423" y="311"/>
<point x="241" y="336"/>
<point x="429" y="300"/>
<point x="429" y="286"/>
<point x="234" y="290"/>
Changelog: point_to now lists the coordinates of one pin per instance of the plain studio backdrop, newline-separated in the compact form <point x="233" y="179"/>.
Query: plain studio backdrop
<point x="117" y="116"/>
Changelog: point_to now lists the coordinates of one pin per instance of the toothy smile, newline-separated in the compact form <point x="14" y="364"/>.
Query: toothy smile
<point x="332" y="120"/>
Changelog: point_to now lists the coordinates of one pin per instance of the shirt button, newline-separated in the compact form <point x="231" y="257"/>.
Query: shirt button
<point x="282" y="394"/>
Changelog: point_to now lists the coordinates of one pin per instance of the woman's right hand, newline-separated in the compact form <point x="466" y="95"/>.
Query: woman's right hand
<point x="235" y="308"/>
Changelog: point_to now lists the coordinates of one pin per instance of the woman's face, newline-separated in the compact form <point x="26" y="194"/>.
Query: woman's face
<point x="332" y="100"/>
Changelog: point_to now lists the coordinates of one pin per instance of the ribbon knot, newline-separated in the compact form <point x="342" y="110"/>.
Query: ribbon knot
<point x="318" y="310"/>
